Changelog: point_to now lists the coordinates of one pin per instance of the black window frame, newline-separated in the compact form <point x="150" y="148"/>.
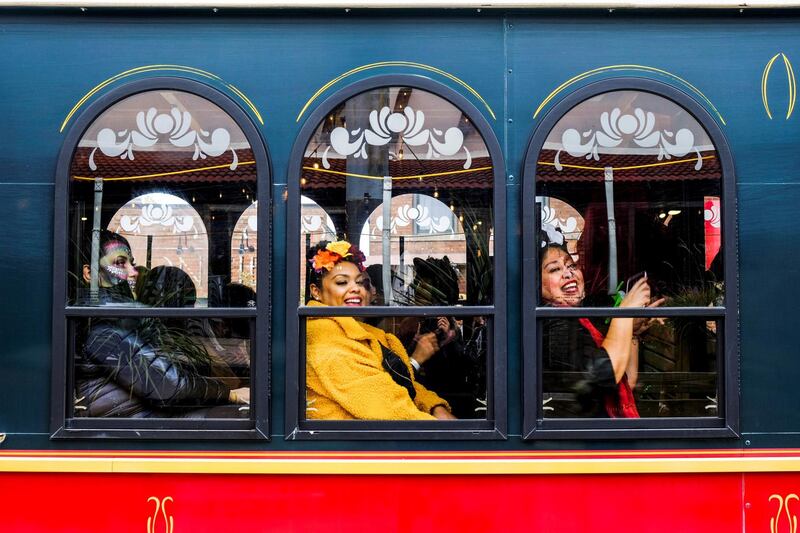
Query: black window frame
<point x="65" y="426"/>
<point x="726" y="424"/>
<point x="296" y="426"/>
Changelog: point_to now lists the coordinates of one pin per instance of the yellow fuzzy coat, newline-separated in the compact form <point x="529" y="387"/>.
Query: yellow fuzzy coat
<point x="345" y="378"/>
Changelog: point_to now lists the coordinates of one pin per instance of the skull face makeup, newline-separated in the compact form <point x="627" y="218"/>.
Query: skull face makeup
<point x="117" y="266"/>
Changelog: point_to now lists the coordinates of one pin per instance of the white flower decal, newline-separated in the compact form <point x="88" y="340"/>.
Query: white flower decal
<point x="550" y="217"/>
<point x="157" y="215"/>
<point x="152" y="126"/>
<point x="314" y="224"/>
<point x="711" y="215"/>
<point x="408" y="125"/>
<point x="639" y="127"/>
<point x="420" y="214"/>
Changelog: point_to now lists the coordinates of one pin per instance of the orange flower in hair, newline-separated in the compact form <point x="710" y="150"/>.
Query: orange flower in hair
<point x="325" y="259"/>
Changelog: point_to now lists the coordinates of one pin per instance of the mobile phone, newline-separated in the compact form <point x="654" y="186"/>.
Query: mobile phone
<point x="633" y="279"/>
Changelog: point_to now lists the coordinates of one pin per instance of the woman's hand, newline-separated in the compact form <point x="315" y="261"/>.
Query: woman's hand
<point x="427" y="345"/>
<point x="240" y="395"/>
<point x="447" y="334"/>
<point x="640" y="325"/>
<point x="442" y="413"/>
<point x="638" y="296"/>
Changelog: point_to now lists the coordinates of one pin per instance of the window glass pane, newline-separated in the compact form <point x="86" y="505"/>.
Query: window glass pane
<point x="427" y="264"/>
<point x="405" y="175"/>
<point x="631" y="183"/>
<point x="170" y="176"/>
<point x="315" y="226"/>
<point x="161" y="368"/>
<point x="360" y="369"/>
<point x="244" y="253"/>
<point x="670" y="368"/>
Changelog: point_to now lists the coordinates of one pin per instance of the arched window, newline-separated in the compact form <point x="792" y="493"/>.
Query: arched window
<point x="409" y="173"/>
<point x="629" y="221"/>
<point x="160" y="320"/>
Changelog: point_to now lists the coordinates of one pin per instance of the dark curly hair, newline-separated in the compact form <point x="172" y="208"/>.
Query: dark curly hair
<point x="314" y="276"/>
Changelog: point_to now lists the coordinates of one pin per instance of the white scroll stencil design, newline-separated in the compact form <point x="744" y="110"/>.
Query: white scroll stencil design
<point x="639" y="127"/>
<point x="409" y="124"/>
<point x="152" y="126"/>
<point x="157" y="214"/>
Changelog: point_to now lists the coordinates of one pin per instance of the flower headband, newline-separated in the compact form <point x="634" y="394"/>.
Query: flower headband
<point x="334" y="253"/>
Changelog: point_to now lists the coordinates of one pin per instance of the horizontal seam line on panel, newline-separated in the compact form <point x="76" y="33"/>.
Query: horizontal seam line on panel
<point x="17" y="183"/>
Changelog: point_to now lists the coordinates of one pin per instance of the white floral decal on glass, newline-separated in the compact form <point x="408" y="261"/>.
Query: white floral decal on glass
<point x="638" y="127"/>
<point x="550" y="217"/>
<point x="420" y="214"/>
<point x="152" y="126"/>
<point x="156" y="214"/>
<point x="409" y="124"/>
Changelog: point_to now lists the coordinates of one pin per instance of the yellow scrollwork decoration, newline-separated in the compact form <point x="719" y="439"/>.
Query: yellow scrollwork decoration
<point x="157" y="68"/>
<point x="2" y="438"/>
<point x="783" y="504"/>
<point x="790" y="79"/>
<point x="161" y="505"/>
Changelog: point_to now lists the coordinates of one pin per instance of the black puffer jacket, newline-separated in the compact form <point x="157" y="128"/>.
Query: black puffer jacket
<point x="118" y="374"/>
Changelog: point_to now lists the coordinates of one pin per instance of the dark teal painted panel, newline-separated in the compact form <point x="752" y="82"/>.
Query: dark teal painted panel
<point x="50" y="62"/>
<point x="722" y="57"/>
<point x="26" y="286"/>
<point x="770" y="336"/>
<point x="278" y="63"/>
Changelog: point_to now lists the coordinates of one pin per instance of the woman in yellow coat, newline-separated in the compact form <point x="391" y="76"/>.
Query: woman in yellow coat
<point x="354" y="370"/>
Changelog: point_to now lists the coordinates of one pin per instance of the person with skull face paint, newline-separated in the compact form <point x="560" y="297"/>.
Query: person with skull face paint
<point x="116" y="262"/>
<point x="122" y="372"/>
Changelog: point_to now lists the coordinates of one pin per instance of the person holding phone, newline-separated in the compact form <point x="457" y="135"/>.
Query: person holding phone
<point x="604" y="366"/>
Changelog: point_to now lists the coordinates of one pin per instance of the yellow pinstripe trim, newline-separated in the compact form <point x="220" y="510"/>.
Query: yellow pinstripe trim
<point x="764" y="78"/>
<point x="162" y="174"/>
<point x="792" y="86"/>
<point x="383" y="64"/>
<point x="154" y="68"/>
<point x="416" y="177"/>
<point x="266" y="464"/>
<point x="247" y="101"/>
<point x="609" y="68"/>
<point x="650" y="165"/>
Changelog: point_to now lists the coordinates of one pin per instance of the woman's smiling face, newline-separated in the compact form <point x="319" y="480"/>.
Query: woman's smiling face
<point x="344" y="285"/>
<point x="562" y="280"/>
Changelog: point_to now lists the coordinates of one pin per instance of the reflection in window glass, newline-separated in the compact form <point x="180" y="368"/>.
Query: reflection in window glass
<point x="426" y="262"/>
<point x="410" y="158"/>
<point x="671" y="368"/>
<point x="244" y="252"/>
<point x="170" y="173"/>
<point x="631" y="181"/>
<point x="315" y="226"/>
<point x="162" y="368"/>
<point x="363" y="369"/>
<point x="164" y="229"/>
